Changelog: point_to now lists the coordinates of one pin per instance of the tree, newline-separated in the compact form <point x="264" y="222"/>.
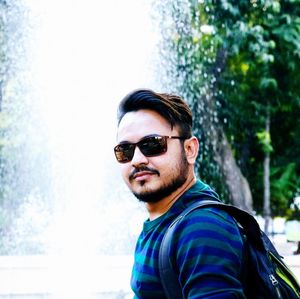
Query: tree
<point x="227" y="58"/>
<point x="265" y="67"/>
<point x="191" y="51"/>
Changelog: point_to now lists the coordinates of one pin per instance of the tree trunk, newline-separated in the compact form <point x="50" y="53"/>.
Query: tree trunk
<point x="215" y="137"/>
<point x="236" y="183"/>
<point x="267" y="204"/>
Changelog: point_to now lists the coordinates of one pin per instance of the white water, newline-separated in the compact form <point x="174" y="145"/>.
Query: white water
<point x="84" y="57"/>
<point x="87" y="56"/>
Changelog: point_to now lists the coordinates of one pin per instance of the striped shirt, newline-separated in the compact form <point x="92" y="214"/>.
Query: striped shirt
<point x="206" y="251"/>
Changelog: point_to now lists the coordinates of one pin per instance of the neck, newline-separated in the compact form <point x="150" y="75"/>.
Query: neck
<point x="159" y="208"/>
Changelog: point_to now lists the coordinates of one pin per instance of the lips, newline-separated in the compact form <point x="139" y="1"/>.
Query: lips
<point x="142" y="175"/>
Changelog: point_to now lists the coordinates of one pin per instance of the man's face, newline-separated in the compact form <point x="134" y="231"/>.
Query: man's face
<point x="152" y="178"/>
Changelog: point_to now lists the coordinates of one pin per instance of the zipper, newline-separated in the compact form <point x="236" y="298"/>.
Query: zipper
<point x="275" y="283"/>
<point x="286" y="269"/>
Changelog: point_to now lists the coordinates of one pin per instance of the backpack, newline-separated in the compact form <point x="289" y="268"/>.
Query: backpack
<point x="266" y="276"/>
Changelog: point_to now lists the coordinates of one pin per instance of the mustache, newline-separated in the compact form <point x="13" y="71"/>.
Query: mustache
<point x="142" y="168"/>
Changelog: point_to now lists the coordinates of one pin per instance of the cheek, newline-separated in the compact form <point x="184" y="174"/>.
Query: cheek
<point x="168" y="167"/>
<point x="174" y="165"/>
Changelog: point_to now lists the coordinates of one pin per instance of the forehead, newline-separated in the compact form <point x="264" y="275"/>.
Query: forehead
<point x="137" y="124"/>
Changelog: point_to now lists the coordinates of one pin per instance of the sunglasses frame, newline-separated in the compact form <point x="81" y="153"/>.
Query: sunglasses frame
<point x="162" y="142"/>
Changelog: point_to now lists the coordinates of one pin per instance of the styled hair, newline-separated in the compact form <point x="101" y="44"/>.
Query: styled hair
<point x="171" y="107"/>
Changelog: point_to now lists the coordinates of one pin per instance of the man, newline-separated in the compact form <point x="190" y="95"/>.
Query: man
<point x="157" y="153"/>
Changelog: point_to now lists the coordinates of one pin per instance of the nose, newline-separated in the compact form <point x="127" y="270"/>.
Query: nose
<point x="138" y="157"/>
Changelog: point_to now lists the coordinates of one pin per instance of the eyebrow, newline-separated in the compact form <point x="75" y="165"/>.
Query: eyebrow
<point x="146" y="136"/>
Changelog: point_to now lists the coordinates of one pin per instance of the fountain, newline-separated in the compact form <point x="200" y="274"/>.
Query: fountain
<point x="69" y="234"/>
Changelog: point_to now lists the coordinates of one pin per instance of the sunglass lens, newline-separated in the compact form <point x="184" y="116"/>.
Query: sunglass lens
<point x="149" y="146"/>
<point x="124" y="152"/>
<point x="153" y="146"/>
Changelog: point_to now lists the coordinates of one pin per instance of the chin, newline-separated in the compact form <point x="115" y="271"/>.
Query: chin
<point x="156" y="194"/>
<point x="146" y="193"/>
<point x="143" y="187"/>
<point x="148" y="197"/>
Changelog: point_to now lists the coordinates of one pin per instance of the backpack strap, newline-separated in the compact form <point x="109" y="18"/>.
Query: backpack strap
<point x="169" y="278"/>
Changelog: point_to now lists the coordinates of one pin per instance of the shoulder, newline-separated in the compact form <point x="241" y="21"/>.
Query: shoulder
<point x="208" y="219"/>
<point x="210" y="232"/>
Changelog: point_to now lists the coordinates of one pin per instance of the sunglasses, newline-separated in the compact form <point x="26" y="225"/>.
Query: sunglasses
<point x="150" y="146"/>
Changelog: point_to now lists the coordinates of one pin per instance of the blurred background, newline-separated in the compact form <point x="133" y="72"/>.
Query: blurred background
<point x="68" y="224"/>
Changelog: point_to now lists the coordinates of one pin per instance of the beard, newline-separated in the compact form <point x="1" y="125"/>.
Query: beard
<point x="153" y="196"/>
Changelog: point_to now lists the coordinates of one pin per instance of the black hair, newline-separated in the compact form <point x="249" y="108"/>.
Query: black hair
<point x="171" y="107"/>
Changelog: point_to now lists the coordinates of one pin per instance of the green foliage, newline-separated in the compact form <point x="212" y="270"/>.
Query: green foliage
<point x="284" y="185"/>
<point x="264" y="64"/>
<point x="293" y="214"/>
<point x="241" y="59"/>
<point x="264" y="138"/>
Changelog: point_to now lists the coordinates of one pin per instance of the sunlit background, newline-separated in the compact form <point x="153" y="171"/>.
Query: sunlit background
<point x="85" y="59"/>
<point x="75" y="63"/>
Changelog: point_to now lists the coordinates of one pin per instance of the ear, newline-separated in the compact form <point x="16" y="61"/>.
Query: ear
<point x="191" y="148"/>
